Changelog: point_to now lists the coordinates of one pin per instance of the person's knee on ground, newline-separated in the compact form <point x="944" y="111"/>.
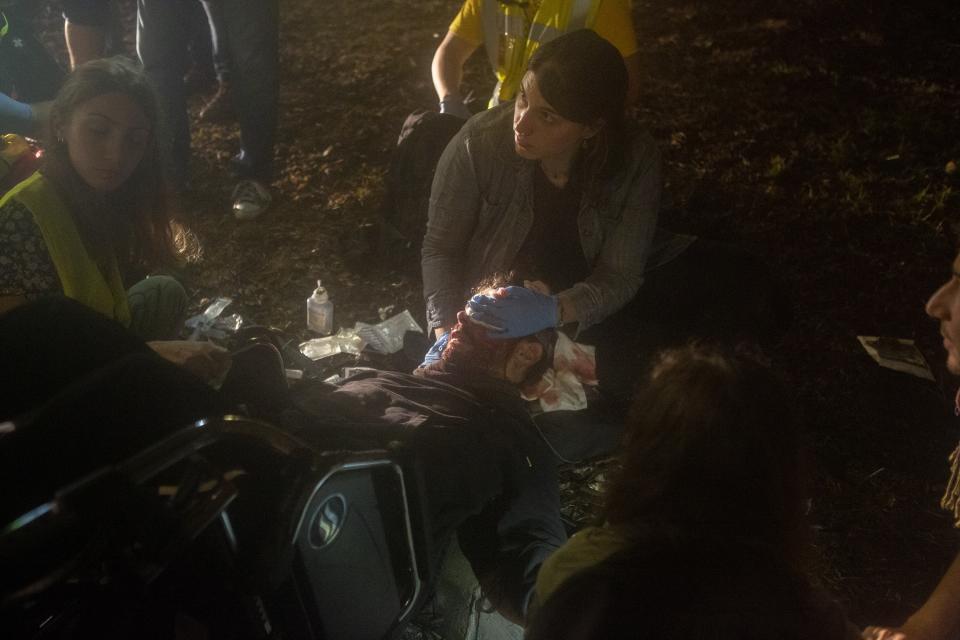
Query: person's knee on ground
<point x="158" y="307"/>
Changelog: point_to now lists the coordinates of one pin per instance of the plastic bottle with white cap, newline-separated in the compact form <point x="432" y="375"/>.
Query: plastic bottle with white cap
<point x="320" y="311"/>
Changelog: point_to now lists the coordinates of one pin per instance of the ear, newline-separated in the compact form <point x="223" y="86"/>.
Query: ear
<point x="56" y="127"/>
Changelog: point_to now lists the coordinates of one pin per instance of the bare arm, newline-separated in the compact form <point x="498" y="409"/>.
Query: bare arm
<point x="448" y="61"/>
<point x="939" y="617"/>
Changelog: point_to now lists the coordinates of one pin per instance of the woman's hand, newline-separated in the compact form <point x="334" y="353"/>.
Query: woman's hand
<point x="514" y="312"/>
<point x="203" y="359"/>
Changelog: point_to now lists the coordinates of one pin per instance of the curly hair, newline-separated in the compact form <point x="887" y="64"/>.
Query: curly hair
<point x="479" y="353"/>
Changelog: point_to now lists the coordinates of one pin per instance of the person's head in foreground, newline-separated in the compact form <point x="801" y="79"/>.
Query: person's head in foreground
<point x="939" y="617"/>
<point x="572" y="99"/>
<point x="710" y="501"/>
<point x="105" y="160"/>
<point x="944" y="306"/>
<point x="711" y="446"/>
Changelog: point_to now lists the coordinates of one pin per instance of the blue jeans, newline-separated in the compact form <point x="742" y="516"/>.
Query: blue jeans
<point x="252" y="39"/>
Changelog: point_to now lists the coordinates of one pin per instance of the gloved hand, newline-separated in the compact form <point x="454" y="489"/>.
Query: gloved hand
<point x="433" y="355"/>
<point x="453" y="105"/>
<point x="514" y="312"/>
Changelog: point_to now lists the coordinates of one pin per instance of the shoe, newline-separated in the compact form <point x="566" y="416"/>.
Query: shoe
<point x="250" y="199"/>
<point x="220" y="107"/>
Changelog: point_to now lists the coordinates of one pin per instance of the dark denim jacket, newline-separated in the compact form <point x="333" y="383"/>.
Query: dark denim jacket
<point x="481" y="209"/>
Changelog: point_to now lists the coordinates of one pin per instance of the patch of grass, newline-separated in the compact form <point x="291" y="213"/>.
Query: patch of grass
<point x="781" y="68"/>
<point x="778" y="164"/>
<point x="933" y="199"/>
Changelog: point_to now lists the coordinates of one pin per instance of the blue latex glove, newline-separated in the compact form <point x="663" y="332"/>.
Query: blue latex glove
<point x="433" y="355"/>
<point x="514" y="312"/>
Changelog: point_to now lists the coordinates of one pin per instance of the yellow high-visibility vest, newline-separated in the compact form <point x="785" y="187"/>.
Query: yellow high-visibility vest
<point x="79" y="274"/>
<point x="510" y="40"/>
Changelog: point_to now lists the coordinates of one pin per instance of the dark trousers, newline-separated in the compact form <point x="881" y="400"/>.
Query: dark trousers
<point x="251" y="28"/>
<point x="208" y="39"/>
<point x="28" y="72"/>
<point x="712" y="291"/>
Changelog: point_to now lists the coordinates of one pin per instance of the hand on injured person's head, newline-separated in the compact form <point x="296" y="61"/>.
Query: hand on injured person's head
<point x="514" y="312"/>
<point x="203" y="359"/>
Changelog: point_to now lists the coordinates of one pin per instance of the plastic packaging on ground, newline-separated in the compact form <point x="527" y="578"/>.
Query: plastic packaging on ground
<point x="384" y="337"/>
<point x="343" y="341"/>
<point x="387" y="336"/>
<point x="209" y="324"/>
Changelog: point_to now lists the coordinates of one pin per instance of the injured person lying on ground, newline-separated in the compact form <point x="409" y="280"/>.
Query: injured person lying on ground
<point x="488" y="476"/>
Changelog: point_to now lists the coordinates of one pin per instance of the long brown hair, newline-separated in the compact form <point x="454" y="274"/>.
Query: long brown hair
<point x="132" y="222"/>
<point x="711" y="446"/>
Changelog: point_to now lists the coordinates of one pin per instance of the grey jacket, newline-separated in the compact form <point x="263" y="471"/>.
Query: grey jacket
<point x="481" y="209"/>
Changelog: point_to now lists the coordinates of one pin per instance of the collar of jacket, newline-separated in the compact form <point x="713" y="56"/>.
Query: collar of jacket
<point x="485" y="389"/>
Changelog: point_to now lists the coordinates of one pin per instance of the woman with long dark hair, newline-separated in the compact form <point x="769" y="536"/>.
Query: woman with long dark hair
<point x="554" y="182"/>
<point x="563" y="188"/>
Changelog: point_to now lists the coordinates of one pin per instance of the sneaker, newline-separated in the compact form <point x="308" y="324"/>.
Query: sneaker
<point x="220" y="107"/>
<point x="250" y="199"/>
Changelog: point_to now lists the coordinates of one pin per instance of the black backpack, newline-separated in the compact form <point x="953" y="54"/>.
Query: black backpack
<point x="403" y="216"/>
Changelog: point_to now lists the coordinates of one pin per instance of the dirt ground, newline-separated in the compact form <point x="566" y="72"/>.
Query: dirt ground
<point x="815" y="134"/>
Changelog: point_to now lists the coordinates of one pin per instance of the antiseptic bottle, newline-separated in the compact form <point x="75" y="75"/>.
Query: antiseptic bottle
<point x="320" y="311"/>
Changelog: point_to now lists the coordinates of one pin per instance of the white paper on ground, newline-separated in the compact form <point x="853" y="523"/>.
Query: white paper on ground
<point x="898" y="354"/>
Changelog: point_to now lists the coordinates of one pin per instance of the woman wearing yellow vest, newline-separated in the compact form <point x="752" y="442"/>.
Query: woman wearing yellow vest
<point x="95" y="212"/>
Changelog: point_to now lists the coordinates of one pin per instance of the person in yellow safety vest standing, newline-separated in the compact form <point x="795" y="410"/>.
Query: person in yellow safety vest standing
<point x="511" y="30"/>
